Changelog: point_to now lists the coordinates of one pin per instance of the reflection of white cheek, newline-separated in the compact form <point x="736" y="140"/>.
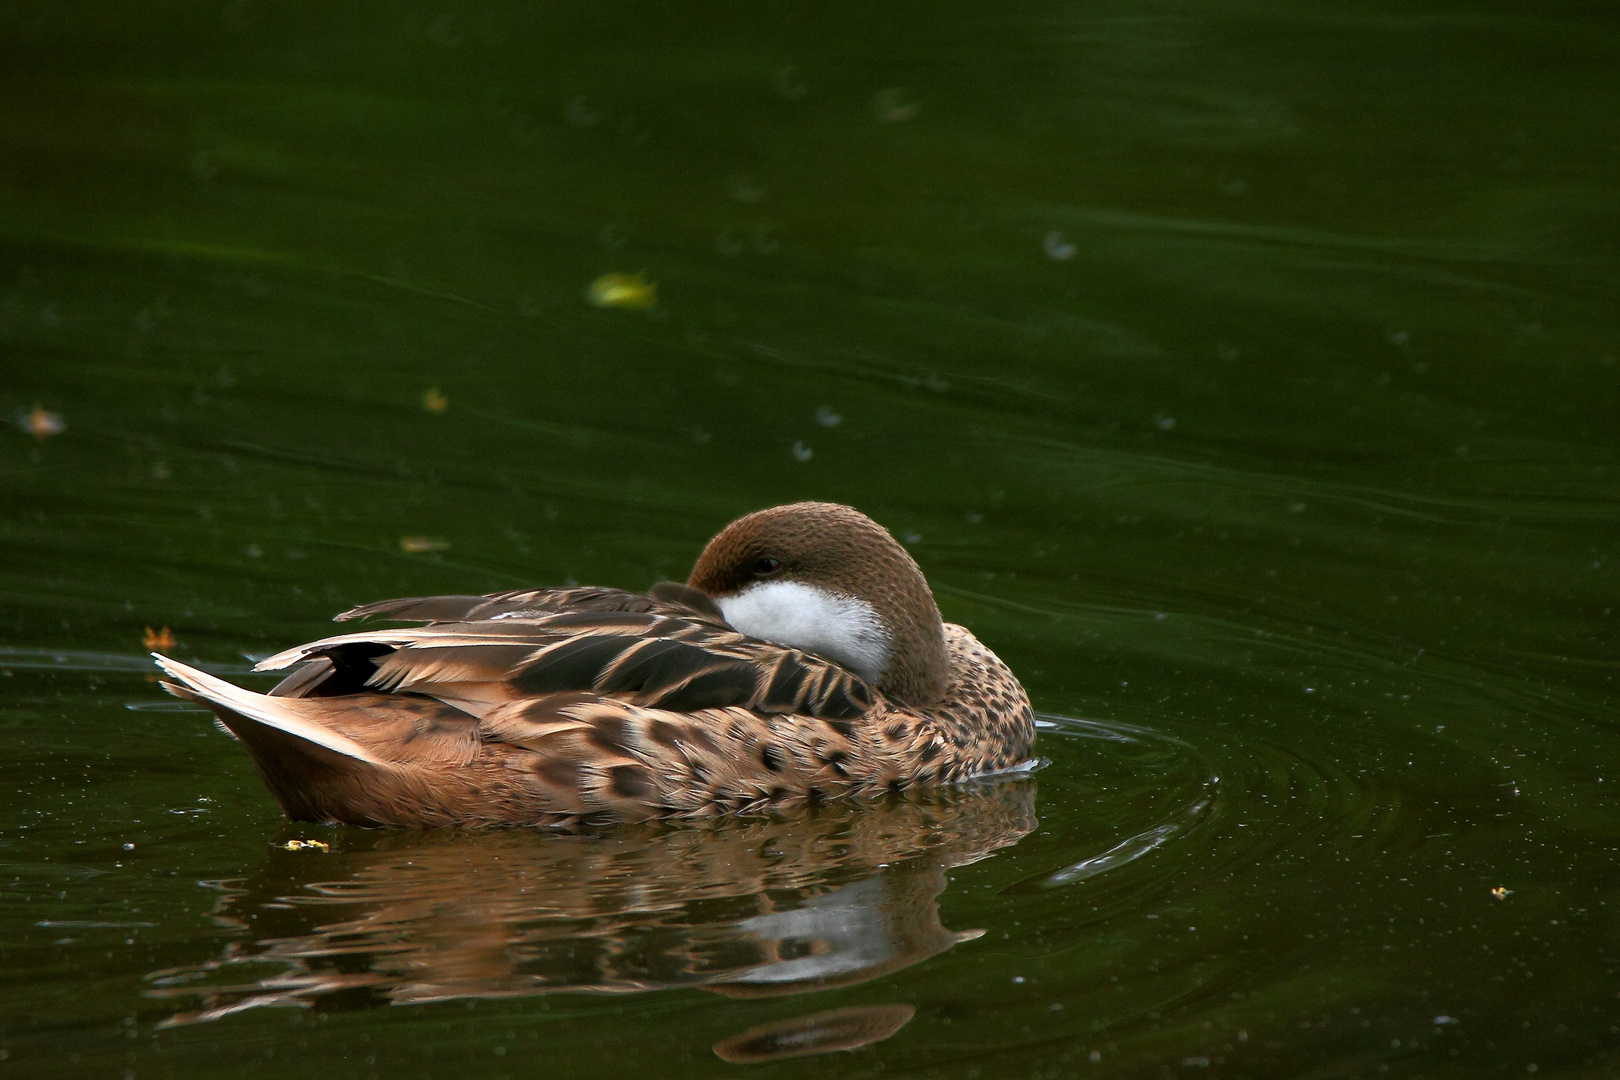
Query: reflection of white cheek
<point x="841" y="628"/>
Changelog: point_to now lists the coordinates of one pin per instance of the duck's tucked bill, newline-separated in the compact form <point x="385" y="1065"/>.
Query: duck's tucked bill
<point x="804" y="660"/>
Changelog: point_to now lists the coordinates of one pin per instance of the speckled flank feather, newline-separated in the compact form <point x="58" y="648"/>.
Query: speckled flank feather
<point x="554" y="706"/>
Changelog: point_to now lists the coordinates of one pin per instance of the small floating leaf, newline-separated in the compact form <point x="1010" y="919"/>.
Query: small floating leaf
<point x="421" y="545"/>
<point x="306" y="845"/>
<point x="40" y="422"/>
<point x="433" y="401"/>
<point x="630" y="291"/>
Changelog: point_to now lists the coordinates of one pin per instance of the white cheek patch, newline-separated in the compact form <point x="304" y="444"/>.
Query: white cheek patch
<point x="841" y="628"/>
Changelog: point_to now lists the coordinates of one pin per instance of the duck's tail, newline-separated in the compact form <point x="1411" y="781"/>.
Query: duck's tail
<point x="298" y="757"/>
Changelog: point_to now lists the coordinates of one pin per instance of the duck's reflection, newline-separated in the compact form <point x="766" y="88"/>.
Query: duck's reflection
<point x="746" y="907"/>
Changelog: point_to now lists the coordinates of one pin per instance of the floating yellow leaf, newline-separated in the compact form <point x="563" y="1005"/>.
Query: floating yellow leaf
<point x="158" y="640"/>
<point x="40" y="422"/>
<point x="306" y="845"/>
<point x="1500" y="893"/>
<point x="631" y="291"/>
<point x="433" y="401"/>
<point x="420" y="545"/>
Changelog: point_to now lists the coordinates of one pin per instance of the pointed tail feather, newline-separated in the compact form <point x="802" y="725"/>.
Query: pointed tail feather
<point x="277" y="713"/>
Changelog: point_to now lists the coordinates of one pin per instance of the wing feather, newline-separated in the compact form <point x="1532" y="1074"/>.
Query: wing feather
<point x="630" y="648"/>
<point x="667" y="597"/>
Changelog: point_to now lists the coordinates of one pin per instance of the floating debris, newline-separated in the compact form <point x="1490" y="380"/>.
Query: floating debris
<point x="306" y="845"/>
<point x="434" y="401"/>
<point x="1501" y="893"/>
<point x="826" y="417"/>
<point x="802" y="452"/>
<point x="40" y="422"/>
<point x="158" y="640"/>
<point x="630" y="291"/>
<point x="1058" y="247"/>
<point x="421" y="545"/>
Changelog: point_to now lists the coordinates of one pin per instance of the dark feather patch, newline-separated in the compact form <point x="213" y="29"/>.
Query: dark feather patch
<point x="652" y="664"/>
<point x="629" y="781"/>
<point x="572" y="665"/>
<point x="718" y="688"/>
<point x="840" y="700"/>
<point x="608" y="733"/>
<point x="352" y="666"/>
<point x="785" y="690"/>
<point x="560" y="772"/>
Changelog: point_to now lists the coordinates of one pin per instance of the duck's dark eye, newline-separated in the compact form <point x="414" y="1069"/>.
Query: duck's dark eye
<point x="766" y="566"/>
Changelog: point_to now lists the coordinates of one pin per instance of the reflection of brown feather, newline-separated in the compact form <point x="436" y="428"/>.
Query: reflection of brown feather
<point x="749" y="908"/>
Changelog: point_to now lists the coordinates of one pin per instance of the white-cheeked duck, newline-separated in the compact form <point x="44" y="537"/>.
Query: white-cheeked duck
<point x="804" y="660"/>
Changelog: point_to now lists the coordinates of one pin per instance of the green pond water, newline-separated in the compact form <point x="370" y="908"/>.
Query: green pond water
<point x="1244" y="372"/>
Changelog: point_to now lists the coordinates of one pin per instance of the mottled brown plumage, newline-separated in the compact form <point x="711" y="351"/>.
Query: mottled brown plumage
<point x="554" y="706"/>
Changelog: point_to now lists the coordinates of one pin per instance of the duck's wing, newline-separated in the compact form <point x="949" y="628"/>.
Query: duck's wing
<point x="680" y="662"/>
<point x="665" y="598"/>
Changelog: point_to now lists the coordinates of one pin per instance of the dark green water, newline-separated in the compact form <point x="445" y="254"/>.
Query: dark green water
<point x="1243" y="372"/>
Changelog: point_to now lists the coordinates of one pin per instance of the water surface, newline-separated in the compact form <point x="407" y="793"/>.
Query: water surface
<point x="1244" y="374"/>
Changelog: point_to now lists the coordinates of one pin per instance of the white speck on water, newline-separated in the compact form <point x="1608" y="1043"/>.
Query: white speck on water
<point x="826" y="417"/>
<point x="1058" y="248"/>
<point x="802" y="452"/>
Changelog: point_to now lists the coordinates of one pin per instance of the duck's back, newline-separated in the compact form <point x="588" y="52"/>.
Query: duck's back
<point x="567" y="704"/>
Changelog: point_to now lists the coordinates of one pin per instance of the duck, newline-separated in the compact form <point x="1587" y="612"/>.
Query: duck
<point x="804" y="660"/>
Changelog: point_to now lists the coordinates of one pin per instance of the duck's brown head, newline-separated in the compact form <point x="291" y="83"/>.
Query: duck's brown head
<point x="829" y="580"/>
